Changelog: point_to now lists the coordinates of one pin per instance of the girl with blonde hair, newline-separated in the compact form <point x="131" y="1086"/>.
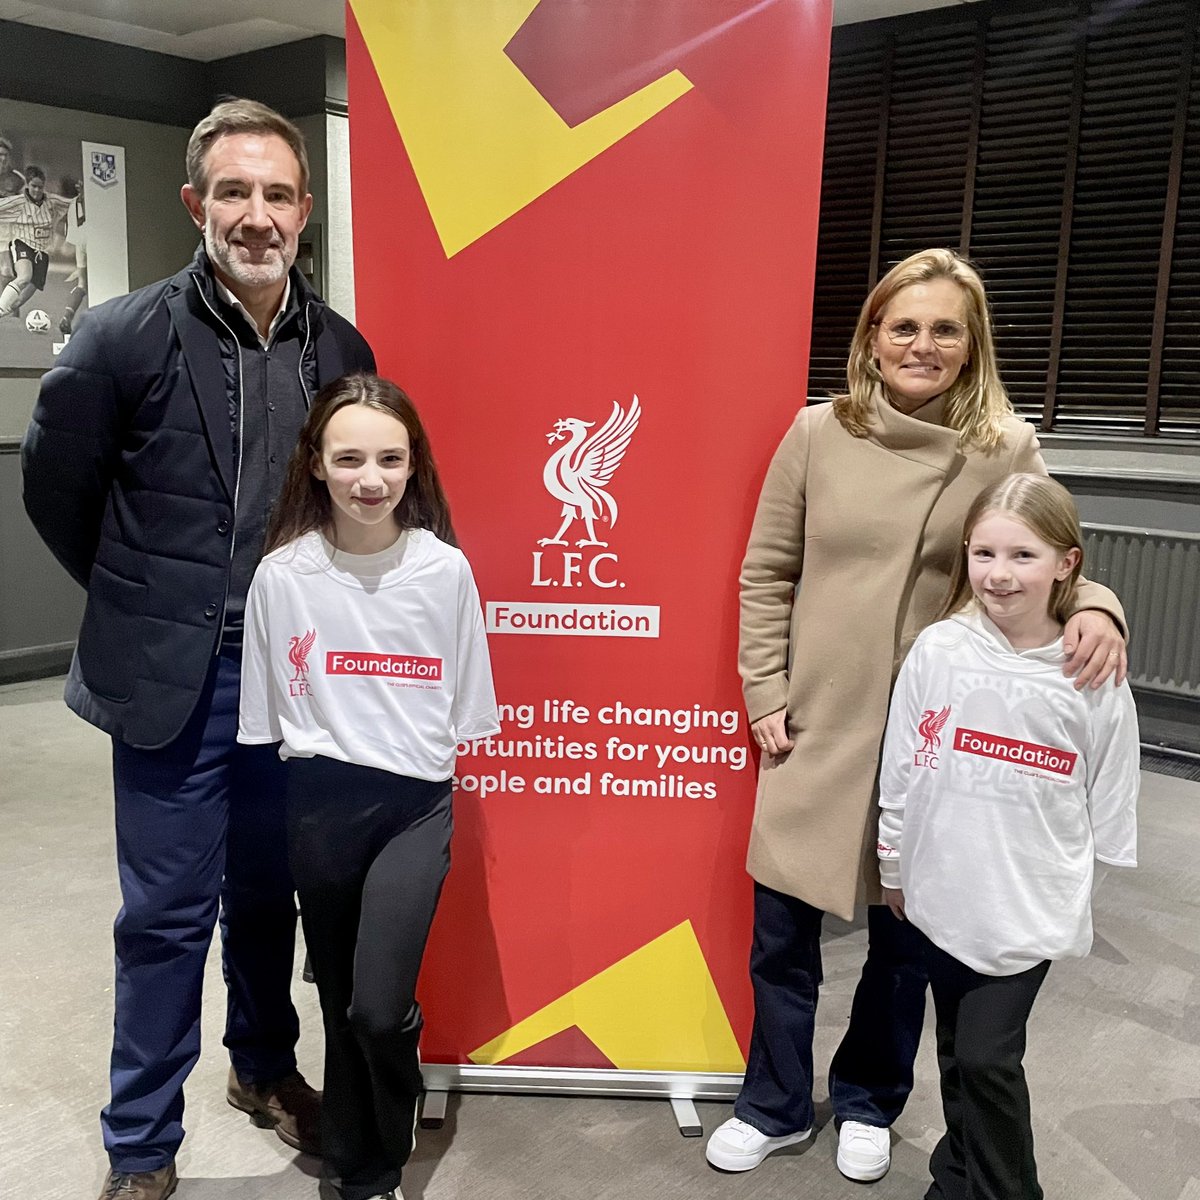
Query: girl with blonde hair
<point x="1000" y="786"/>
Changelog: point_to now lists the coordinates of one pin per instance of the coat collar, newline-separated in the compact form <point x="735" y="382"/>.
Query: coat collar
<point x="920" y="437"/>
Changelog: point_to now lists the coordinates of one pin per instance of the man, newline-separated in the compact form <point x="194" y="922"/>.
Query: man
<point x="77" y="237"/>
<point x="156" y="449"/>
<point x="31" y="216"/>
<point x="11" y="182"/>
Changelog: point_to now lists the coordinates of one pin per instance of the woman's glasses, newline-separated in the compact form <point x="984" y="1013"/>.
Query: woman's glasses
<point x="903" y="332"/>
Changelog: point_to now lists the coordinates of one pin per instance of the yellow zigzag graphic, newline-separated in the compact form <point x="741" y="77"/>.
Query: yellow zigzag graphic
<point x="482" y="140"/>
<point x="655" y="1010"/>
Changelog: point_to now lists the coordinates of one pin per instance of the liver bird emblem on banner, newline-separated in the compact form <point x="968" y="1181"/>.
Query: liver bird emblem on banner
<point x="930" y="728"/>
<point x="298" y="648"/>
<point x="578" y="473"/>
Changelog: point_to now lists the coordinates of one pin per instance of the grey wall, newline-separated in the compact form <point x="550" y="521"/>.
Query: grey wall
<point x="59" y="69"/>
<point x="17" y="393"/>
<point x="339" y="249"/>
<point x="1150" y="484"/>
<point x="40" y="605"/>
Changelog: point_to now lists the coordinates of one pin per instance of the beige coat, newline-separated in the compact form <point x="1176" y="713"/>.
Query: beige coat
<point x="849" y="559"/>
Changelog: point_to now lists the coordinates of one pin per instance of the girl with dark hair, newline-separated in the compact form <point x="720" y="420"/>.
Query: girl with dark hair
<point x="365" y="658"/>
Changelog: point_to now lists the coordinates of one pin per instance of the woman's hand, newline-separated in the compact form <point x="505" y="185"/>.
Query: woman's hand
<point x="770" y="732"/>
<point x="894" y="899"/>
<point x="1094" y="648"/>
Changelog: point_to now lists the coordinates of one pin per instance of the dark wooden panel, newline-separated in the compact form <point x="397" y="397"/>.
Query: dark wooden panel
<point x="1064" y="137"/>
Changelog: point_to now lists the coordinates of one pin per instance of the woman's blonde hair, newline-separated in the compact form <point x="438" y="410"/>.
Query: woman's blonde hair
<point x="1047" y="508"/>
<point x="976" y="402"/>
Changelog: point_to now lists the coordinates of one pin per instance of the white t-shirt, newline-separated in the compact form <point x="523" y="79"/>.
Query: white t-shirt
<point x="374" y="659"/>
<point x="999" y="784"/>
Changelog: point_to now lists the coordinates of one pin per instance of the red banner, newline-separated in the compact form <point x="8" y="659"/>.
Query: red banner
<point x="584" y="242"/>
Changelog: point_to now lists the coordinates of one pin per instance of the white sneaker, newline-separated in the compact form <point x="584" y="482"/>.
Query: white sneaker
<point x="864" y="1151"/>
<point x="736" y="1146"/>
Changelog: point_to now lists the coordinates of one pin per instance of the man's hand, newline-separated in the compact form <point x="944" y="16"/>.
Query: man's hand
<point x="894" y="899"/>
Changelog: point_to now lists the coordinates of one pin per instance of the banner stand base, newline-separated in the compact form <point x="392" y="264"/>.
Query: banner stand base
<point x="686" y="1117"/>
<point x="433" y="1109"/>
<point x="681" y="1088"/>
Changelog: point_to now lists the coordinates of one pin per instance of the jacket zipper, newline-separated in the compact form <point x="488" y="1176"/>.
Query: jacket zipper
<point x="303" y="352"/>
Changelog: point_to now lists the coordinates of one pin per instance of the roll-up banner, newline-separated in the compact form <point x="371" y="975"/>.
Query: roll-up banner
<point x="584" y="239"/>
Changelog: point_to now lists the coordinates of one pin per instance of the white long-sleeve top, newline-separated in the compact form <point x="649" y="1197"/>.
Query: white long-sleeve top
<point x="375" y="659"/>
<point x="999" y="786"/>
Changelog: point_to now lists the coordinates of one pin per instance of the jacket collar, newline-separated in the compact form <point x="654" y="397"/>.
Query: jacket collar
<point x="920" y="437"/>
<point x="192" y="300"/>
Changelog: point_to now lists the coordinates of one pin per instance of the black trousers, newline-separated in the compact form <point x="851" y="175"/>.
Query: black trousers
<point x="987" y="1150"/>
<point x="871" y="1075"/>
<point x="369" y="851"/>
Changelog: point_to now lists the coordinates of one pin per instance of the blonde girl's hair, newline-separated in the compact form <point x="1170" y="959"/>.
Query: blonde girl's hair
<point x="976" y="402"/>
<point x="1047" y="508"/>
<point x="304" y="504"/>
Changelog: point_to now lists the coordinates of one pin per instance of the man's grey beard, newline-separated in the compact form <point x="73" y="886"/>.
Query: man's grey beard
<point x="251" y="274"/>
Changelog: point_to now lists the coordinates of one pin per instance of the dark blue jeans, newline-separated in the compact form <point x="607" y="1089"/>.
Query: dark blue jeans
<point x="200" y="825"/>
<point x="871" y="1075"/>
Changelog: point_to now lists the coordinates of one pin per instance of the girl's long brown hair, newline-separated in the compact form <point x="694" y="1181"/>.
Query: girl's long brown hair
<point x="304" y="503"/>
<point x="1049" y="510"/>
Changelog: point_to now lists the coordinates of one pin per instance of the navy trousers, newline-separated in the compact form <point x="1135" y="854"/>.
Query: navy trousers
<point x="200" y="826"/>
<point x="871" y="1075"/>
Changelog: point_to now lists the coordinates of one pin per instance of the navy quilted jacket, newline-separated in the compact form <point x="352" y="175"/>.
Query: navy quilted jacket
<point x="129" y="478"/>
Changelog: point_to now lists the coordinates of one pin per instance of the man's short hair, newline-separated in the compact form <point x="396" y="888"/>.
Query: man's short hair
<point x="34" y="173"/>
<point x="235" y="115"/>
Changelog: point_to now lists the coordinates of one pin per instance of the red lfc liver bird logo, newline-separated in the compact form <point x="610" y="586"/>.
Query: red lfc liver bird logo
<point x="930" y="728"/>
<point x="299" y="647"/>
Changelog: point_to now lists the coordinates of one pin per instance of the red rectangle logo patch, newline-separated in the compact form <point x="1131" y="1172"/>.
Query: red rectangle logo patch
<point x="392" y="666"/>
<point x="1028" y="754"/>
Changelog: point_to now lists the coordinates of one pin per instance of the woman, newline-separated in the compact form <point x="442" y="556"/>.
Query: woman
<point x="848" y="560"/>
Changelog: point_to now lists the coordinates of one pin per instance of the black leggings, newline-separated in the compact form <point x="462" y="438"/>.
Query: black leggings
<point x="986" y="1152"/>
<point x="369" y="851"/>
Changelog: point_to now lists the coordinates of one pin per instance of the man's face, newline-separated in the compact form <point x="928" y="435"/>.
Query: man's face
<point x="5" y="160"/>
<point x="35" y="188"/>
<point x="252" y="211"/>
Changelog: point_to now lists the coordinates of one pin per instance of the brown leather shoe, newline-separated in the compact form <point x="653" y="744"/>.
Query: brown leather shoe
<point x="140" y="1185"/>
<point x="287" y="1105"/>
